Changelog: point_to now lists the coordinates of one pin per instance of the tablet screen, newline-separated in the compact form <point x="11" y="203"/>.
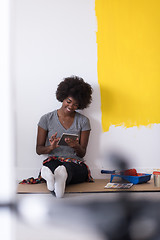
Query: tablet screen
<point x="66" y="135"/>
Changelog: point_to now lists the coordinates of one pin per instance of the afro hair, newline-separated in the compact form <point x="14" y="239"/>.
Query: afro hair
<point x="78" y="89"/>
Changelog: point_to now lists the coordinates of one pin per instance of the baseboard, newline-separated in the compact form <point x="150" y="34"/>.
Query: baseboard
<point x="22" y="173"/>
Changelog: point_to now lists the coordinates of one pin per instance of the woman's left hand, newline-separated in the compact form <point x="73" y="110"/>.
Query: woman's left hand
<point x="79" y="145"/>
<point x="71" y="142"/>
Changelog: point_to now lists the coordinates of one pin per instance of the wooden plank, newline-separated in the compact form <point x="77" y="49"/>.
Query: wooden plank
<point x="88" y="187"/>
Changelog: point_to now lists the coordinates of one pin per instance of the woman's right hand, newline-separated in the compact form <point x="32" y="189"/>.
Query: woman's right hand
<point x="54" y="141"/>
<point x="41" y="148"/>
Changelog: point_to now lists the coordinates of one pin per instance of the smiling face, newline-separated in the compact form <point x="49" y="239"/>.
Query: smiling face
<point x="69" y="105"/>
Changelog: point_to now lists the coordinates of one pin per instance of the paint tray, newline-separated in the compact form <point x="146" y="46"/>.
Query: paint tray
<point x="140" y="178"/>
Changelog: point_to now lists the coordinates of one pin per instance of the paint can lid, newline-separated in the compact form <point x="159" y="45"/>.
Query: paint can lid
<point x="156" y="173"/>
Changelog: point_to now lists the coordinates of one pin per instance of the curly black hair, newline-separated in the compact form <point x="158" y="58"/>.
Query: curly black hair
<point x="75" y="87"/>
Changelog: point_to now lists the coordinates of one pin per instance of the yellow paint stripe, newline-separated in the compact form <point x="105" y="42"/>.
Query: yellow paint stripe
<point x="128" y="42"/>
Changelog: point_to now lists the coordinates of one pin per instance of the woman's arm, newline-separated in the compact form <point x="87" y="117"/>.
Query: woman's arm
<point x="79" y="147"/>
<point x="41" y="139"/>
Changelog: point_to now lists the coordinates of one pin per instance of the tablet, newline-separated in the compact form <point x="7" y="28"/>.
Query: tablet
<point x="66" y="135"/>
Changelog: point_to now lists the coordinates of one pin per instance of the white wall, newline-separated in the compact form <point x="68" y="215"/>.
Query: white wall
<point x="55" y="39"/>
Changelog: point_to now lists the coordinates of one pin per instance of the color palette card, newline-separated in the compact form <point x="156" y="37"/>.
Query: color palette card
<point x="119" y="185"/>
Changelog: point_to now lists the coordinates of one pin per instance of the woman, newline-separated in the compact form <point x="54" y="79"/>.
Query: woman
<point x="65" y="164"/>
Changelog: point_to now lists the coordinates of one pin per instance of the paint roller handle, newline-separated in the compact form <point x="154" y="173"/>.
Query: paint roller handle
<point x="108" y="171"/>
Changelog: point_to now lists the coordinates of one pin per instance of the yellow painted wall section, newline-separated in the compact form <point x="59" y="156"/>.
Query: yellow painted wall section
<point x="128" y="42"/>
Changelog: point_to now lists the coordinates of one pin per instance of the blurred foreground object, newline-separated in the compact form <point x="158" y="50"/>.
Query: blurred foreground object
<point x="120" y="219"/>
